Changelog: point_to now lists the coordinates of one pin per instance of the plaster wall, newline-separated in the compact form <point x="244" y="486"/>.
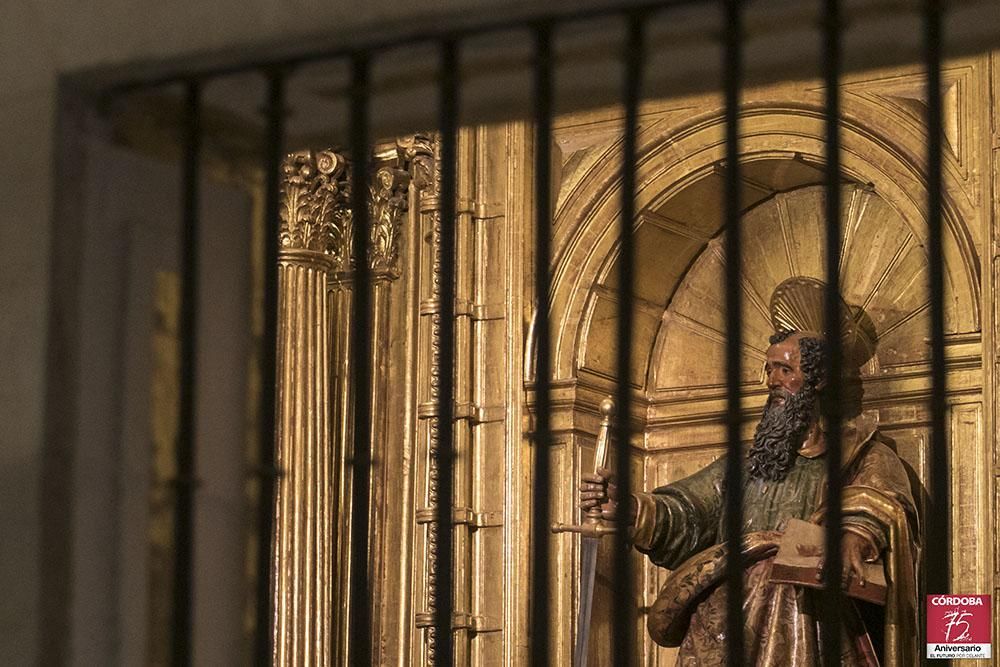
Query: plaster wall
<point x="39" y="41"/>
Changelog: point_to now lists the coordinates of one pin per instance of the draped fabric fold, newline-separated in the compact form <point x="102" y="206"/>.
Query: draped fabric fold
<point x="903" y="552"/>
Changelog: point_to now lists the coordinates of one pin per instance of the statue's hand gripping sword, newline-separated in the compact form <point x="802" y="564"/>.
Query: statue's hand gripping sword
<point x="591" y="530"/>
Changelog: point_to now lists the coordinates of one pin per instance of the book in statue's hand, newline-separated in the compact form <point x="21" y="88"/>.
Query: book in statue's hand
<point x="800" y="553"/>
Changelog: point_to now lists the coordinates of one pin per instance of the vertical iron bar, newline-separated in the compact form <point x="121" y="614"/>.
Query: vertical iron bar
<point x="448" y="123"/>
<point x="268" y="363"/>
<point x="622" y="625"/>
<point x="830" y="618"/>
<point x="543" y="401"/>
<point x="732" y="74"/>
<point x="360" y="646"/>
<point x="939" y="517"/>
<point x="185" y="456"/>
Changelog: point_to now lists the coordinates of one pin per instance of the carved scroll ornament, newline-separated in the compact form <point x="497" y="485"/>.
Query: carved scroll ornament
<point x="417" y="152"/>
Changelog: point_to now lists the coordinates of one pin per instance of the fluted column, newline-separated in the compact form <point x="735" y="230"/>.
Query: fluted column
<point x="316" y="411"/>
<point x="314" y="233"/>
<point x="390" y="176"/>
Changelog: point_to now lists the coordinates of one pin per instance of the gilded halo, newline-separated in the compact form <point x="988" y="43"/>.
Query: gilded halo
<point x="797" y="304"/>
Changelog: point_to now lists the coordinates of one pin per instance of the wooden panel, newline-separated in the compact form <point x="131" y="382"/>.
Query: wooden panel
<point x="970" y="501"/>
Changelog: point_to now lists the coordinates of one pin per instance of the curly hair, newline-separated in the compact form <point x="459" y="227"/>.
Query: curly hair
<point x="813" y="353"/>
<point x="782" y="430"/>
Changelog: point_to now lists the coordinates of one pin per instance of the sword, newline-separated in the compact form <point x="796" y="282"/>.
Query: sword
<point x="591" y="530"/>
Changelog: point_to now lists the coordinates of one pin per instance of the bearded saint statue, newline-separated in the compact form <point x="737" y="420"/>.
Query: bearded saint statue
<point x="680" y="526"/>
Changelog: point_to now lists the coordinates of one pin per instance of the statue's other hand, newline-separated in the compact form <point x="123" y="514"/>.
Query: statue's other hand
<point x="854" y="552"/>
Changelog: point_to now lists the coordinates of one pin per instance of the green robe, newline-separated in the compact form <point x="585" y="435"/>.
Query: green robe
<point x="690" y="513"/>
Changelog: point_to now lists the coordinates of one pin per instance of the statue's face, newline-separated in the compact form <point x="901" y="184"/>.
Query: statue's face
<point x="782" y="370"/>
<point x="788" y="415"/>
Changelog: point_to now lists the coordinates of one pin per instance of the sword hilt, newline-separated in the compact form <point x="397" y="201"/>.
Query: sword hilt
<point x="599" y="529"/>
<point x="593" y="524"/>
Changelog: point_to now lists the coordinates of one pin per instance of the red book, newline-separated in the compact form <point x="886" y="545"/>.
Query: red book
<point x="798" y="561"/>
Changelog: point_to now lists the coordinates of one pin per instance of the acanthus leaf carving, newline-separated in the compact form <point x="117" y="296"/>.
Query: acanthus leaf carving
<point x="315" y="204"/>
<point x="316" y="201"/>
<point x="387" y="206"/>
<point x="408" y="160"/>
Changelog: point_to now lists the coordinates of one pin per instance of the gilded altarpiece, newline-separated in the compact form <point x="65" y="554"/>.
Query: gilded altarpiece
<point x="677" y="369"/>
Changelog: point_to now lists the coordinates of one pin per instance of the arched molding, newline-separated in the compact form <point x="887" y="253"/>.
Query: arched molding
<point x="673" y="159"/>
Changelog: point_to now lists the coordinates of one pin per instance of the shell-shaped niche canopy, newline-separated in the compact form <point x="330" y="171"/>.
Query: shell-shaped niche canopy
<point x="799" y="304"/>
<point x="883" y="271"/>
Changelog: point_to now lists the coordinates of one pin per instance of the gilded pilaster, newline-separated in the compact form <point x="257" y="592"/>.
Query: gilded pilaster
<point x="466" y="517"/>
<point x="430" y="311"/>
<point x="487" y="430"/>
<point x="400" y="559"/>
<point x="314" y="236"/>
<point x="311" y="561"/>
<point x="388" y="202"/>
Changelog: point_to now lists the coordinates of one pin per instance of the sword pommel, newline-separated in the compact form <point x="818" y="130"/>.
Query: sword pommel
<point x="608" y="410"/>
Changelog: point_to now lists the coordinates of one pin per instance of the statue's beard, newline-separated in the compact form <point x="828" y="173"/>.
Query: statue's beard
<point x="780" y="433"/>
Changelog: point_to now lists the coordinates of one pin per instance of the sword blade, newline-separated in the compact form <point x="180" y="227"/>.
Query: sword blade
<point x="588" y="571"/>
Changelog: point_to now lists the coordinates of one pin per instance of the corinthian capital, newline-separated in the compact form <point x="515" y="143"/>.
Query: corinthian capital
<point x="418" y="151"/>
<point x="387" y="206"/>
<point x="315" y="206"/>
<point x="316" y="201"/>
<point x="395" y="166"/>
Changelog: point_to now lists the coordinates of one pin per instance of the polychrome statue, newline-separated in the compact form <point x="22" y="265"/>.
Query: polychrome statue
<point x="680" y="526"/>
